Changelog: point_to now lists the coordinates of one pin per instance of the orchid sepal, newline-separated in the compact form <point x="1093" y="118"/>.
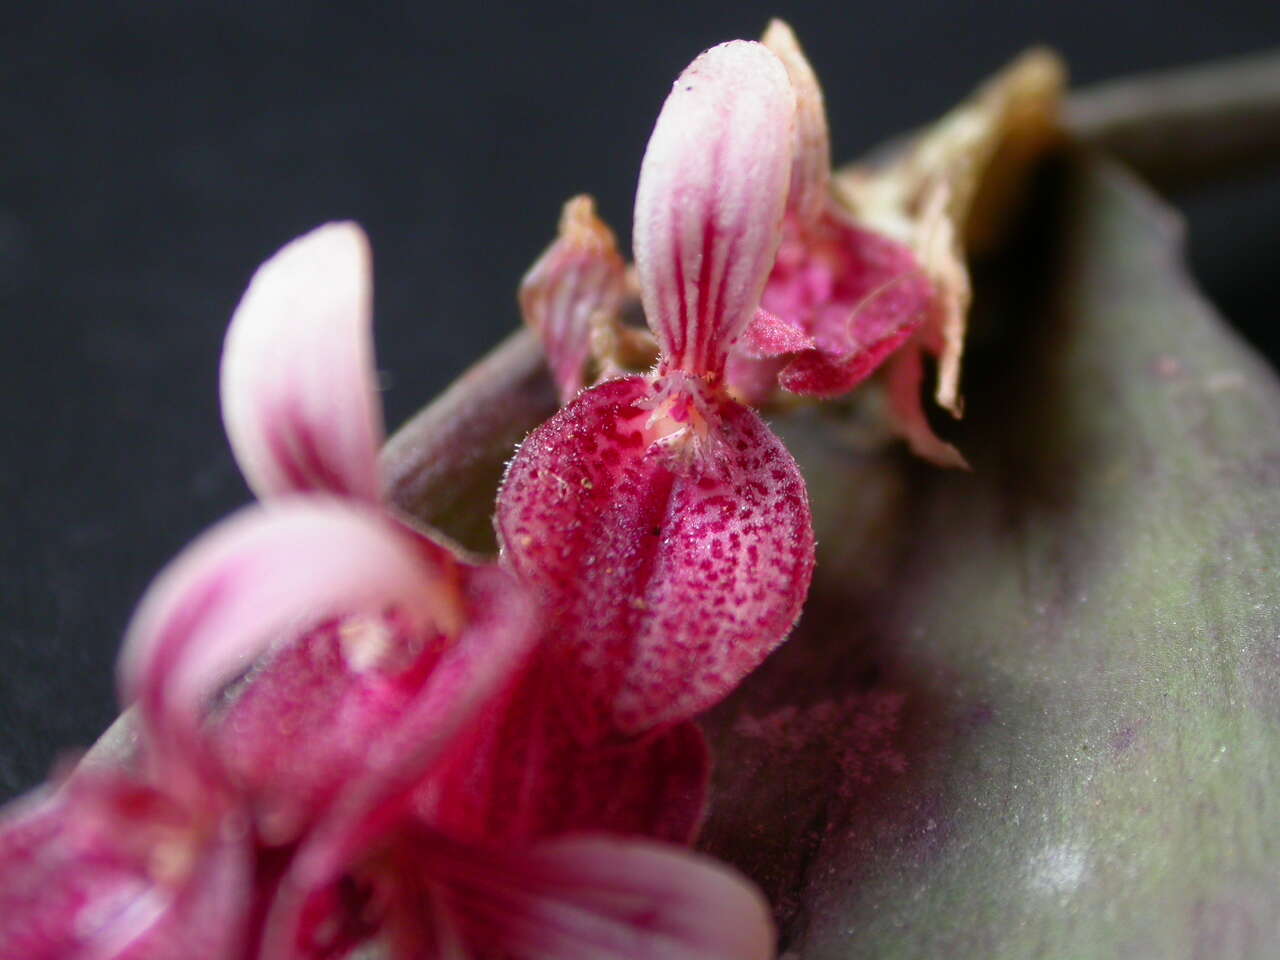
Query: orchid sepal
<point x="298" y="383"/>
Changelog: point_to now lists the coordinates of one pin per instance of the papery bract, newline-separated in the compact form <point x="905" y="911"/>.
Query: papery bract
<point x="579" y="278"/>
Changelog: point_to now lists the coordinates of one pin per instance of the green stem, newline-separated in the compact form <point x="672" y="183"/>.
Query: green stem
<point x="1187" y="127"/>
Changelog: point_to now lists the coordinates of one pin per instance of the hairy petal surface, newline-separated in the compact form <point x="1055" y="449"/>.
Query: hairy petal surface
<point x="579" y="276"/>
<point x="590" y="898"/>
<point x="668" y="574"/>
<point x="108" y="868"/>
<point x="267" y="573"/>
<point x="768" y="335"/>
<point x="709" y="206"/>
<point x="299" y="387"/>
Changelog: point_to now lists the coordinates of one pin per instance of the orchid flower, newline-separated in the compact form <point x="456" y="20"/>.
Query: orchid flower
<point x="841" y="298"/>
<point x="149" y="862"/>
<point x="181" y="855"/>
<point x="303" y="415"/>
<point x="664" y="527"/>
<point x="302" y="412"/>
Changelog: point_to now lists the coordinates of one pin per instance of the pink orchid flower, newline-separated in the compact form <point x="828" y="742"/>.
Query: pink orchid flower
<point x="161" y="859"/>
<point x="302" y="413"/>
<point x="664" y="527"/>
<point x="180" y="855"/>
<point x="841" y="298"/>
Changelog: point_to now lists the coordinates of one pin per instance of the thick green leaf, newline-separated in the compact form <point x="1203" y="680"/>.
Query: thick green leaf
<point x="1034" y="711"/>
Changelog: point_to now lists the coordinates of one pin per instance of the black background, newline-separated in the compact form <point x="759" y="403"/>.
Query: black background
<point x="153" y="154"/>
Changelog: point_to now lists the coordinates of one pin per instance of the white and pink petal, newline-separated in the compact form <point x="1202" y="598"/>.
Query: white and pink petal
<point x="709" y="207"/>
<point x="299" y="388"/>
<point x="106" y="867"/>
<point x="590" y="897"/>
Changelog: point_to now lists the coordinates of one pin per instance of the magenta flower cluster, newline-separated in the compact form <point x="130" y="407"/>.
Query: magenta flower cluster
<point x="350" y="733"/>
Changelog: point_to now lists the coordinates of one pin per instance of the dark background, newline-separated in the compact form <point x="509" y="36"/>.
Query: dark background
<point x="153" y="154"/>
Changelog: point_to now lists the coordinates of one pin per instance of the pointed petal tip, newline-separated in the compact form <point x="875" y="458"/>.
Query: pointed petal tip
<point x="299" y="388"/>
<point x="582" y="227"/>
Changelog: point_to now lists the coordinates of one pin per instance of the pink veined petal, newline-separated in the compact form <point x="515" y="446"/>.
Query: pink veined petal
<point x="710" y="202"/>
<point x="107" y="868"/>
<point x="299" y="388"/>
<point x="500" y="633"/>
<point x="589" y="897"/>
<point x="208" y="917"/>
<point x="522" y="776"/>
<point x="267" y="573"/>
<point x="579" y="276"/>
<point x="859" y="295"/>
<point x="811" y="161"/>
<point x="666" y="579"/>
